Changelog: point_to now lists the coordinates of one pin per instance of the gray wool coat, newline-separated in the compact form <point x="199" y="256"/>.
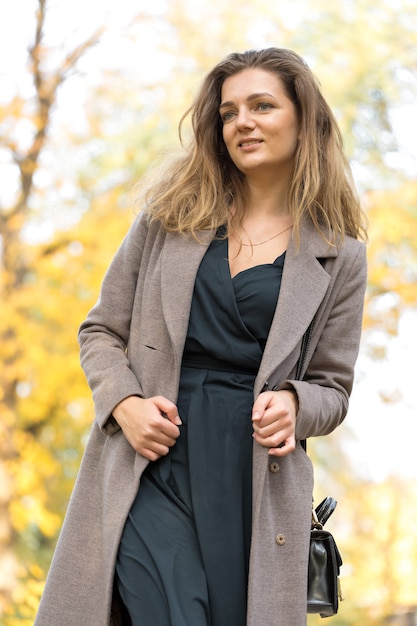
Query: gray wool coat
<point x="132" y="343"/>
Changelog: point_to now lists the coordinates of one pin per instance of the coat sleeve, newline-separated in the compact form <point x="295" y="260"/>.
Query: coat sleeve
<point x="103" y="336"/>
<point x="324" y="392"/>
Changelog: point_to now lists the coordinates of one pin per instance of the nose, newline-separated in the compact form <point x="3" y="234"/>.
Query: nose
<point x="244" y="119"/>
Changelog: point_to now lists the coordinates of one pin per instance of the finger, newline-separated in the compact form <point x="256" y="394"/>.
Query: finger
<point x="273" y="422"/>
<point x="274" y="434"/>
<point x="159" y="432"/>
<point x="260" y="405"/>
<point x="287" y="447"/>
<point x="153" y="455"/>
<point x="273" y="441"/>
<point x="169" y="409"/>
<point x="173" y="416"/>
<point x="265" y="431"/>
<point x="167" y="429"/>
<point x="156" y="447"/>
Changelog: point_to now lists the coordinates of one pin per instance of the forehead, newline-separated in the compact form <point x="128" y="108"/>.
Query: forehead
<point x="252" y="80"/>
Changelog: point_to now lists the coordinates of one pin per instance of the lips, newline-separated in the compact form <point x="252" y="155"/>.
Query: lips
<point x="249" y="142"/>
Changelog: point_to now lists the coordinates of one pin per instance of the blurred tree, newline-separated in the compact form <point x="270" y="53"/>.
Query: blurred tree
<point x="364" y="56"/>
<point x="34" y="350"/>
<point x="393" y="255"/>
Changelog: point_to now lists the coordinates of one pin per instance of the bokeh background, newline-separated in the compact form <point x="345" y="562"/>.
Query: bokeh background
<point x="91" y="93"/>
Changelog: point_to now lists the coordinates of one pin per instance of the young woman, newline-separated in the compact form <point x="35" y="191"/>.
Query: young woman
<point x="193" y="502"/>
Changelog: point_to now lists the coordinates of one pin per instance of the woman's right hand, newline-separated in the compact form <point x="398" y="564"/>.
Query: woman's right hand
<point x="149" y="424"/>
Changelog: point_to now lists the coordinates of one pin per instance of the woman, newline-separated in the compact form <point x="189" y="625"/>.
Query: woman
<point x="193" y="502"/>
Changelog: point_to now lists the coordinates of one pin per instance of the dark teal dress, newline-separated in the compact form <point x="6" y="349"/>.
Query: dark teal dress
<point x="184" y="554"/>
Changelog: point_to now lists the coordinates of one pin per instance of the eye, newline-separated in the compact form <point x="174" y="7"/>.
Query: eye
<point x="264" y="106"/>
<point x="227" y="116"/>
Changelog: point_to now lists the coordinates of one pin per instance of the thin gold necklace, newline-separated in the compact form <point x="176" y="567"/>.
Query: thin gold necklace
<point x="266" y="240"/>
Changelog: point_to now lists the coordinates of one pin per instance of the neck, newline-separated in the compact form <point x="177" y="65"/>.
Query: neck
<point x="271" y="201"/>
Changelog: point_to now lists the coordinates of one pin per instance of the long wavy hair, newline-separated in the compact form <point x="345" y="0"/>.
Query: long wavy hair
<point x="197" y="189"/>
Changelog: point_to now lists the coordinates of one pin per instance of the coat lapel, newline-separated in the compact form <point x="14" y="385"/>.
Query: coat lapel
<point x="303" y="287"/>
<point x="181" y="257"/>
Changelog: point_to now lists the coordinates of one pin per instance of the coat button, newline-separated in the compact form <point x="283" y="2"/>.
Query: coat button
<point x="274" y="467"/>
<point x="280" y="539"/>
<point x="266" y="385"/>
<point x="275" y="388"/>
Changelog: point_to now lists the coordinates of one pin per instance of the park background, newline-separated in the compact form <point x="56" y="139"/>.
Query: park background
<point x="91" y="93"/>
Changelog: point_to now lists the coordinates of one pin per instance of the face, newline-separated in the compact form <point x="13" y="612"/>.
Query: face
<point x="260" y="126"/>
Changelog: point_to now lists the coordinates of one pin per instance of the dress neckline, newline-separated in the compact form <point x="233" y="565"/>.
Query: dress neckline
<point x="280" y="258"/>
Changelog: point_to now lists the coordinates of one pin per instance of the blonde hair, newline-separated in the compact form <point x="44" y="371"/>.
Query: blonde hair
<point x="195" y="190"/>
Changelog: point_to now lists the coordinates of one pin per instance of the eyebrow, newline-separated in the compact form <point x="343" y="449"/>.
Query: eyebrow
<point x="253" y="96"/>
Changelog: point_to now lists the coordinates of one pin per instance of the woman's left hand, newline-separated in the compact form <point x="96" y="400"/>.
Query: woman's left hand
<point x="273" y="417"/>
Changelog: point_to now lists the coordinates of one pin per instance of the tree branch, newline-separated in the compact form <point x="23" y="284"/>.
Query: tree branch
<point x="46" y="92"/>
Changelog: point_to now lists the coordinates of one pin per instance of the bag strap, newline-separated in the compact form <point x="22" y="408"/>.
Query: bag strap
<point x="305" y="342"/>
<point x="323" y="511"/>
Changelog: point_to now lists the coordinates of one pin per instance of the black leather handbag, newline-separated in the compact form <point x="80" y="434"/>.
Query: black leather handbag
<point x="324" y="590"/>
